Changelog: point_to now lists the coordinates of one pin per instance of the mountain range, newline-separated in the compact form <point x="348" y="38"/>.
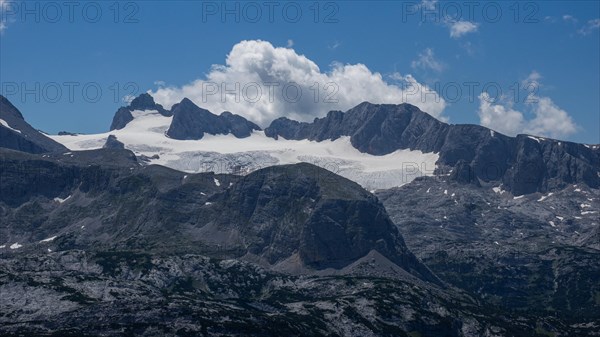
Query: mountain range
<point x="377" y="221"/>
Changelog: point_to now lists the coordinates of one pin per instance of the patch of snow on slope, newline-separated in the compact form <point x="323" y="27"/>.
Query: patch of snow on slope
<point x="145" y="135"/>
<point x="535" y="138"/>
<point x="59" y="200"/>
<point x="15" y="245"/>
<point x="217" y="182"/>
<point x="4" y="123"/>
<point x="545" y="197"/>
<point x="48" y="239"/>
<point x="498" y="190"/>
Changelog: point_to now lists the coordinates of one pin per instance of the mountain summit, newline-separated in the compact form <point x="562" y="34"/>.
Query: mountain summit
<point x="143" y="102"/>
<point x="522" y="164"/>
<point x="192" y="122"/>
<point x="17" y="134"/>
<point x="470" y="154"/>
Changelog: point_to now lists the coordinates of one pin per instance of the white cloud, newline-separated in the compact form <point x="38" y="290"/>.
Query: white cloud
<point x="532" y="83"/>
<point x="569" y="18"/>
<point x="499" y="117"/>
<point x="426" y="60"/>
<point x="257" y="65"/>
<point x="460" y="28"/>
<point x="590" y="27"/>
<point x="334" y="45"/>
<point x="428" y="4"/>
<point x="127" y="99"/>
<point x="290" y="43"/>
<point x="548" y="118"/>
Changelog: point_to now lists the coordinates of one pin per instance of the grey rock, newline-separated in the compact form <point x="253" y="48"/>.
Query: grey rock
<point x="113" y="143"/>
<point x="143" y="102"/>
<point x="535" y="253"/>
<point x="192" y="122"/>
<point x="26" y="138"/>
<point x="523" y="164"/>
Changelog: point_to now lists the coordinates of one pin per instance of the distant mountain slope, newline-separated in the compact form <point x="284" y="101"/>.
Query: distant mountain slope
<point x="105" y="241"/>
<point x="192" y="122"/>
<point x="147" y="135"/>
<point x="17" y="134"/>
<point x="189" y="121"/>
<point x="535" y="253"/>
<point x="296" y="217"/>
<point x="523" y="164"/>
<point x="395" y="143"/>
<point x="142" y="102"/>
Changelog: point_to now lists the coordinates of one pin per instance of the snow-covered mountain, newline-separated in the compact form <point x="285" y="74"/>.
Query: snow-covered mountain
<point x="90" y="229"/>
<point x="147" y="136"/>
<point x="377" y="145"/>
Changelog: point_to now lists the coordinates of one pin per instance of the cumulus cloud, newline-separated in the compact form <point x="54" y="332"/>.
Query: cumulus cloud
<point x="460" y="28"/>
<point x="262" y="82"/>
<point x="499" y="117"/>
<point x="548" y="118"/>
<point x="426" y="60"/>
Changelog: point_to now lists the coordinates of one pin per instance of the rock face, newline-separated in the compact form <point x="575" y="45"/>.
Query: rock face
<point x="192" y="122"/>
<point x="274" y="214"/>
<point x="140" y="294"/>
<point x="535" y="253"/>
<point x="113" y="143"/>
<point x="523" y="164"/>
<point x="105" y="242"/>
<point x="100" y="243"/>
<point x="142" y="102"/>
<point x="19" y="135"/>
<point x="332" y="223"/>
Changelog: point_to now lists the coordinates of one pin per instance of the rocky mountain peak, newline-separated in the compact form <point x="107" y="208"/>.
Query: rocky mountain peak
<point x="7" y="109"/>
<point x="143" y="102"/>
<point x="192" y="122"/>
<point x="17" y="134"/>
<point x="334" y="221"/>
<point x="523" y="164"/>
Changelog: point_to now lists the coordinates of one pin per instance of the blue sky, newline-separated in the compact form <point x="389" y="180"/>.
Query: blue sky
<point x="544" y="57"/>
